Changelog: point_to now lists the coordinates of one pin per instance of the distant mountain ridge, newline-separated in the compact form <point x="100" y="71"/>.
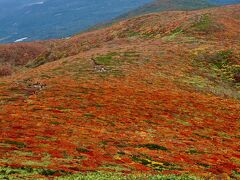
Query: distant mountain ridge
<point x="170" y="5"/>
<point x="166" y="5"/>
<point x="224" y="2"/>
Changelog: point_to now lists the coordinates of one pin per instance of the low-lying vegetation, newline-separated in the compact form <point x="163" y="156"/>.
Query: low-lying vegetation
<point x="33" y="173"/>
<point x="113" y="104"/>
<point x="5" y="70"/>
<point x="205" y="23"/>
<point x="225" y="63"/>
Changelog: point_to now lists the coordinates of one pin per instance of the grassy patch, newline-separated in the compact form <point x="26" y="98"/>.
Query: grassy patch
<point x="216" y="72"/>
<point x="220" y="58"/>
<point x="27" y="172"/>
<point x="185" y="123"/>
<point x="224" y="135"/>
<point x="36" y="163"/>
<point x="45" y="76"/>
<point x="204" y="165"/>
<point x="120" y="176"/>
<point x="112" y="72"/>
<point x="23" y="153"/>
<point x="197" y="81"/>
<point x="46" y="138"/>
<point x="37" y="62"/>
<point x="203" y="23"/>
<point x="133" y="34"/>
<point x="224" y="63"/>
<point x="159" y="166"/>
<point x="2" y="83"/>
<point x="45" y="58"/>
<point x="55" y="122"/>
<point x="114" y="167"/>
<point x="236" y="173"/>
<point x="116" y="59"/>
<point x="17" y="144"/>
<point x="60" y="108"/>
<point x="194" y="151"/>
<point x="174" y="34"/>
<point x="202" y="136"/>
<point x="89" y="115"/>
<point x="107" y="60"/>
<point x="130" y="54"/>
<point x="111" y="64"/>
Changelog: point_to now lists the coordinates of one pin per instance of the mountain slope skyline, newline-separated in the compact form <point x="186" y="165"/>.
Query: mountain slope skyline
<point x="171" y="5"/>
<point x="61" y="18"/>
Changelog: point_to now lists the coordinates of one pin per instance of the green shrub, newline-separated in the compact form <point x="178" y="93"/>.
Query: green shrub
<point x="18" y="144"/>
<point x="37" y="62"/>
<point x="204" y="23"/>
<point x="106" y="60"/>
<point x="221" y="58"/>
<point x="153" y="147"/>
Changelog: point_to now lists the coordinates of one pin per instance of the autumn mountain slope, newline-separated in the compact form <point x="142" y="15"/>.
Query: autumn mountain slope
<point x="156" y="94"/>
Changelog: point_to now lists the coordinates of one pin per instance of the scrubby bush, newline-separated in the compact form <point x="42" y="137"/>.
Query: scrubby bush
<point x="5" y="70"/>
<point x="206" y="24"/>
<point x="237" y="77"/>
<point x="203" y="23"/>
<point x="221" y="58"/>
<point x="224" y="62"/>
